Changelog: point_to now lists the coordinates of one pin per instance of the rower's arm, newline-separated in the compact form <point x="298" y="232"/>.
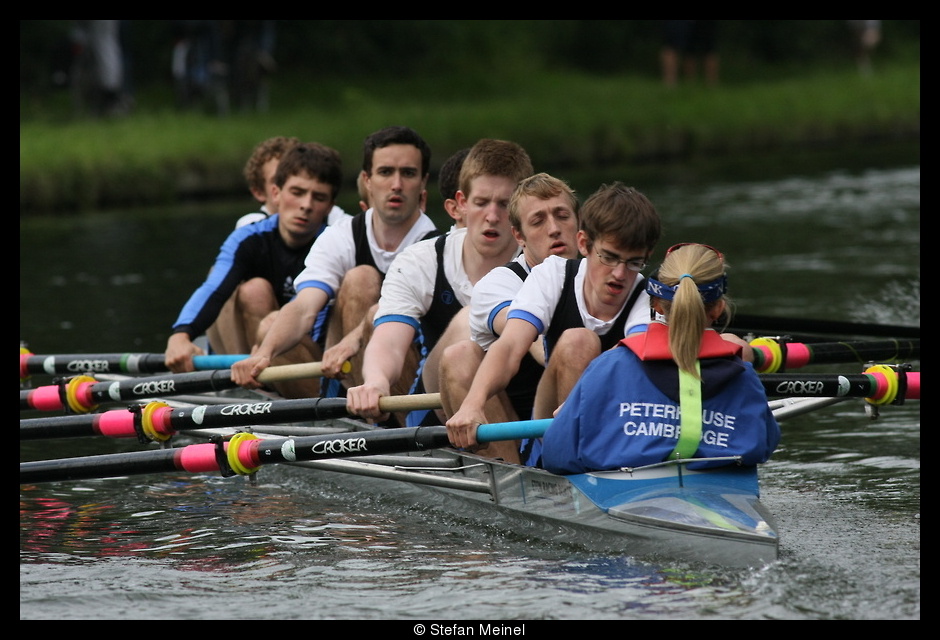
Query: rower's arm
<point x="382" y="365"/>
<point x="501" y="362"/>
<point x="291" y="323"/>
<point x="294" y="320"/>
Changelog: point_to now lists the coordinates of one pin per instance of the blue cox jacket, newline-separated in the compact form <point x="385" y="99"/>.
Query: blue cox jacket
<point x="624" y="410"/>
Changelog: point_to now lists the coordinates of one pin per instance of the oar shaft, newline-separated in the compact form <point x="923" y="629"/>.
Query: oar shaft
<point x="85" y="395"/>
<point x="250" y="454"/>
<point x="771" y="356"/>
<point x="160" y="421"/>
<point x="837" y="385"/>
<point x="764" y="324"/>
<point x="117" y="363"/>
<point x="193" y="458"/>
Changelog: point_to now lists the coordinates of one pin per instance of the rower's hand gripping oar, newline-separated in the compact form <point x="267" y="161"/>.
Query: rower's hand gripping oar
<point x="83" y="394"/>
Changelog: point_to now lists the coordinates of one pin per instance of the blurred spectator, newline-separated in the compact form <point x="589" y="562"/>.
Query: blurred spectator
<point x="867" y="35"/>
<point x="252" y="47"/>
<point x="223" y="64"/>
<point x="97" y="75"/>
<point x="199" y="65"/>
<point x="685" y="44"/>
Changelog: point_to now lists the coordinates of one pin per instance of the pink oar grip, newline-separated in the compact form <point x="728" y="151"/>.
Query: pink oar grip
<point x="116" y="424"/>
<point x="913" y="386"/>
<point x="45" y="398"/>
<point x="798" y="355"/>
<point x="198" y="457"/>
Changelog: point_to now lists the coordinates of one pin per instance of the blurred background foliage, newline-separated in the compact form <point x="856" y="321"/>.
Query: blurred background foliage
<point x="475" y="50"/>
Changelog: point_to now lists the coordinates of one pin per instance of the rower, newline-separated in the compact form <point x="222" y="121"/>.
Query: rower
<point x="425" y="295"/>
<point x="579" y="307"/>
<point x="678" y="391"/>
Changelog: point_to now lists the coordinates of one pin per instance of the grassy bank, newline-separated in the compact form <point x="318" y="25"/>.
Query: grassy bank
<point x="566" y="122"/>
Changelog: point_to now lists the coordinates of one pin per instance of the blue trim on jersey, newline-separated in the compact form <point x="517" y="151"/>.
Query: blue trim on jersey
<point x="640" y="328"/>
<point x="411" y="322"/>
<point x="492" y="317"/>
<point x="528" y="317"/>
<point x="322" y="286"/>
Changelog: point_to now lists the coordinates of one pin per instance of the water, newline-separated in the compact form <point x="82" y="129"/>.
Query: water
<point x="845" y="489"/>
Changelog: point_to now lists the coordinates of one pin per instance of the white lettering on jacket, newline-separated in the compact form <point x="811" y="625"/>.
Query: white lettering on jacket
<point x="672" y="413"/>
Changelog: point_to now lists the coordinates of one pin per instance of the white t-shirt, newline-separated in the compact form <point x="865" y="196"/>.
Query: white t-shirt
<point x="494" y="292"/>
<point x="408" y="289"/>
<point x="336" y="214"/>
<point x="540" y="293"/>
<point x="334" y="253"/>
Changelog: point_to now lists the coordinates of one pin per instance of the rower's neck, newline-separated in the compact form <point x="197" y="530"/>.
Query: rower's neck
<point x="389" y="236"/>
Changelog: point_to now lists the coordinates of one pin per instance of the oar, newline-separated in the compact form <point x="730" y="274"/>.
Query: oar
<point x="772" y="355"/>
<point x="764" y="324"/>
<point x="245" y="454"/>
<point x="128" y="363"/>
<point x="157" y="421"/>
<point x="880" y="384"/>
<point x="82" y="394"/>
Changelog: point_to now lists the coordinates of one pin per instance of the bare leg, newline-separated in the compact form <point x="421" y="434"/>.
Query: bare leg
<point x="305" y="351"/>
<point x="350" y="324"/>
<point x="670" y="66"/>
<point x="234" y="330"/>
<point x="457" y="368"/>
<point x="457" y="331"/>
<point x="711" y="68"/>
<point x="569" y="358"/>
<point x="227" y="335"/>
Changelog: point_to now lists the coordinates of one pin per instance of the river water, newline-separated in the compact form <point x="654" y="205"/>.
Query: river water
<point x="845" y="488"/>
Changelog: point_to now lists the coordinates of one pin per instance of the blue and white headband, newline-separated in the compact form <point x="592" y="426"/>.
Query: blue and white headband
<point x="710" y="292"/>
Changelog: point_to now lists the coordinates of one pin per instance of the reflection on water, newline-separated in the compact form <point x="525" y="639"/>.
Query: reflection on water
<point x="844" y="489"/>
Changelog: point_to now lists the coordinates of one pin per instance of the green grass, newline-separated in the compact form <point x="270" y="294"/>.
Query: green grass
<point x="160" y="155"/>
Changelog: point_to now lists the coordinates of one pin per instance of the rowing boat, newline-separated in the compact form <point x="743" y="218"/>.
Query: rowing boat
<point x="661" y="511"/>
<point x="664" y="511"/>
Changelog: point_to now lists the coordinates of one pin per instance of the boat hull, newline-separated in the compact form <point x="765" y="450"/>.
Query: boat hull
<point x="665" y="512"/>
<point x="659" y="513"/>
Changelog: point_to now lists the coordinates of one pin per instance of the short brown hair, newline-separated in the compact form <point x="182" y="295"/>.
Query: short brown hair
<point x="272" y="148"/>
<point x="316" y="160"/>
<point x="622" y="215"/>
<point x="489" y="157"/>
<point x="543" y="187"/>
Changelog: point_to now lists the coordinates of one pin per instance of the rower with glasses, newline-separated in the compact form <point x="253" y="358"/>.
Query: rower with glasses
<point x="581" y="307"/>
<point x="678" y="391"/>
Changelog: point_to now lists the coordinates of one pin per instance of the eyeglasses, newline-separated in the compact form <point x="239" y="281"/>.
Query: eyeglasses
<point x="721" y="256"/>
<point x="633" y="264"/>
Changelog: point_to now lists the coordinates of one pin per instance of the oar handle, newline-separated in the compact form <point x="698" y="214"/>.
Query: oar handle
<point x="413" y="402"/>
<point x="291" y="372"/>
<point x="296" y="371"/>
<point x="518" y="430"/>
